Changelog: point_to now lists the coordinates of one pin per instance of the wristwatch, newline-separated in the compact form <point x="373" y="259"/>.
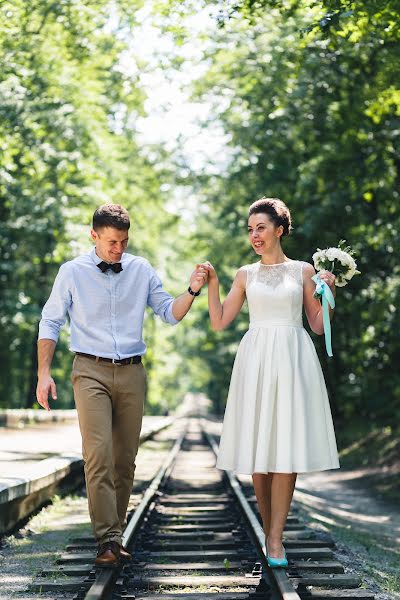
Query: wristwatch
<point x="192" y="292"/>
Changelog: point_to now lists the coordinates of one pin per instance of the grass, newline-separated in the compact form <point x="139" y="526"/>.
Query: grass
<point x="375" y="564"/>
<point x="37" y="546"/>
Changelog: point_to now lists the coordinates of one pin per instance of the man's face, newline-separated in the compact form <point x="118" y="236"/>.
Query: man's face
<point x="110" y="243"/>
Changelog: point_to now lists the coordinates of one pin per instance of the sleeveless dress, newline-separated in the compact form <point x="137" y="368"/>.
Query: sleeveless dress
<point x="277" y="417"/>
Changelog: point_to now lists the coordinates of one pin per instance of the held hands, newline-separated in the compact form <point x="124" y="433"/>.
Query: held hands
<point x="211" y="272"/>
<point x="198" y="278"/>
<point x="203" y="273"/>
<point x="45" y="386"/>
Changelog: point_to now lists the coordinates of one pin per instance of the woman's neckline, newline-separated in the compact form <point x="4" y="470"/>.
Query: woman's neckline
<point x="285" y="262"/>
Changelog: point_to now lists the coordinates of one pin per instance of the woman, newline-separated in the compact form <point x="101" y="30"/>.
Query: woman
<point x="277" y="421"/>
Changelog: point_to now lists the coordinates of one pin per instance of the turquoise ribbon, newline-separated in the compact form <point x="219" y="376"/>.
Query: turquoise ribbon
<point x="324" y="291"/>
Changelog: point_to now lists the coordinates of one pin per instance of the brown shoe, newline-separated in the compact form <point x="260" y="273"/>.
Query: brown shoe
<point x="124" y="554"/>
<point x="108" y="555"/>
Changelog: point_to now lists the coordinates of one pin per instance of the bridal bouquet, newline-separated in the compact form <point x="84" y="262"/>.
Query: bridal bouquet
<point x="339" y="261"/>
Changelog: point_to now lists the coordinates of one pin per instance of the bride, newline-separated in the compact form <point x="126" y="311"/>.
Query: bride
<point x="277" y="421"/>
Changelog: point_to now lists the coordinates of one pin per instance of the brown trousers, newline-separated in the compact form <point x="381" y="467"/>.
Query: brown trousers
<point x="109" y="399"/>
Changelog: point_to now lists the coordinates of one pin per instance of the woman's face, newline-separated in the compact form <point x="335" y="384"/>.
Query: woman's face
<point x="263" y="234"/>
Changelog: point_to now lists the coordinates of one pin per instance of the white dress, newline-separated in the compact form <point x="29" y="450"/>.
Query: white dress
<point x="277" y="417"/>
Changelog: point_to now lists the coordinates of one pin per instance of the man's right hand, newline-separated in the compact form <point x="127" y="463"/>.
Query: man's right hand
<point x="46" y="386"/>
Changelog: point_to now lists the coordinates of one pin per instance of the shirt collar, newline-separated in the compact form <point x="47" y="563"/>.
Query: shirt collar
<point x="97" y="260"/>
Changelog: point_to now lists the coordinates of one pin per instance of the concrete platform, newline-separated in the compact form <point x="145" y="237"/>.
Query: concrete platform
<point x="36" y="459"/>
<point x="19" y="417"/>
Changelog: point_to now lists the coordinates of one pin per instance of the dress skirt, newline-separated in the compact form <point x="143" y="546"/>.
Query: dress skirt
<point x="277" y="417"/>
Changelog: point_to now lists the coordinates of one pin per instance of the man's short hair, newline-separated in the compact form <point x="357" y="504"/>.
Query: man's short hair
<point x="111" y="215"/>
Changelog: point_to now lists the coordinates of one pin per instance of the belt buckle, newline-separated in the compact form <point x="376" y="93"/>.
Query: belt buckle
<point x="115" y="361"/>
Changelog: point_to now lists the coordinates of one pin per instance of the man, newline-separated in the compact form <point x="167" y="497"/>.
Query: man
<point x="105" y="293"/>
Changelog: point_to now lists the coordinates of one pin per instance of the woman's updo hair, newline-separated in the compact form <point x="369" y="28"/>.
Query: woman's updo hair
<point x="276" y="210"/>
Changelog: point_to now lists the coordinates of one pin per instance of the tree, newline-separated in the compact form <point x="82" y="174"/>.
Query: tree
<point x="67" y="135"/>
<point x="314" y="119"/>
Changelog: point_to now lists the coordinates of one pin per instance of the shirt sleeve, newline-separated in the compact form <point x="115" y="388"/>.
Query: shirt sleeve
<point x="159" y="300"/>
<point x="54" y="313"/>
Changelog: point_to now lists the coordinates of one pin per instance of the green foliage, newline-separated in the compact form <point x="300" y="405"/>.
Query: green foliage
<point x="307" y="93"/>
<point x="314" y="119"/>
<point x="67" y="145"/>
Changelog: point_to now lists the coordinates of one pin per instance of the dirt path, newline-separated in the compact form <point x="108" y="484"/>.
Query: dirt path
<point x="366" y="529"/>
<point x="346" y="504"/>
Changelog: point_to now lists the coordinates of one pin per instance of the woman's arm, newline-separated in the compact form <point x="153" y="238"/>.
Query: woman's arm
<point x="223" y="314"/>
<point x="313" y="305"/>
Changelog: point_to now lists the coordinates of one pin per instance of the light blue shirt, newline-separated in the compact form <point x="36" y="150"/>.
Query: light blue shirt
<point x="106" y="310"/>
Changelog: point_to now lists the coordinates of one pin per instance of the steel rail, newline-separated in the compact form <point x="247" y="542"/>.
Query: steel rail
<point x="285" y="587"/>
<point x="106" y="577"/>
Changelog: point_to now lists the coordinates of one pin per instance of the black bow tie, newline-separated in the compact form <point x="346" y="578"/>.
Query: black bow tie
<point x="116" y="267"/>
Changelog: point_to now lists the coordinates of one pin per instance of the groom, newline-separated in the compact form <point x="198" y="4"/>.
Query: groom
<point x="105" y="293"/>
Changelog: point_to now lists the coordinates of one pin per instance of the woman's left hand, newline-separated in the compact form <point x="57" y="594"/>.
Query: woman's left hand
<point x="329" y="278"/>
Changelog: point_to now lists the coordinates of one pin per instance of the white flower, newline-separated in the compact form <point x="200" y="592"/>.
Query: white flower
<point x="326" y="259"/>
<point x="317" y="255"/>
<point x="350" y="273"/>
<point x="332" y="253"/>
<point x="319" y="259"/>
<point x="340" y="282"/>
<point x="345" y="259"/>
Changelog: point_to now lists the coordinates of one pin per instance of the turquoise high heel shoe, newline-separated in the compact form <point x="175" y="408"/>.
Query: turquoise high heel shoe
<point x="276" y="563"/>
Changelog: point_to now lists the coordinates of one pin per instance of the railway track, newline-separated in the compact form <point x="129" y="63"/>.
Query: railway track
<point x="195" y="535"/>
<point x="22" y="493"/>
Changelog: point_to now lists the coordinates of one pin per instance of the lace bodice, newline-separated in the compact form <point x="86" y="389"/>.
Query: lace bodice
<point x="275" y="293"/>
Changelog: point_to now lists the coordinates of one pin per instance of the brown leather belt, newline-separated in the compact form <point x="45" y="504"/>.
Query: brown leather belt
<point x="132" y="360"/>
